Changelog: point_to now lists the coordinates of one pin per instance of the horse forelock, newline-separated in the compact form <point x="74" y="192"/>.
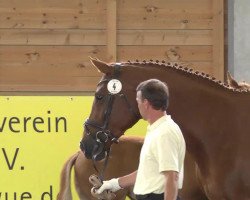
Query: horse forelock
<point x="186" y="70"/>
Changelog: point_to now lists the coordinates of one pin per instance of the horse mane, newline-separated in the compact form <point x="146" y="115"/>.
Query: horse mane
<point x="187" y="71"/>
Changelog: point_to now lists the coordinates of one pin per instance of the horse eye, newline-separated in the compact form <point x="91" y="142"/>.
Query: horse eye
<point x="98" y="96"/>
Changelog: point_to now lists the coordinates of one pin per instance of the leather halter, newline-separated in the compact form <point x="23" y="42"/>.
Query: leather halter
<point x="103" y="135"/>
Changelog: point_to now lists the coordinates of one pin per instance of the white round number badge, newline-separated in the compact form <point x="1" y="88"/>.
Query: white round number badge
<point x="114" y="86"/>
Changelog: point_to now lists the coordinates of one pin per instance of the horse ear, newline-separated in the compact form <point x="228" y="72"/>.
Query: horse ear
<point x="231" y="82"/>
<point x="101" y="66"/>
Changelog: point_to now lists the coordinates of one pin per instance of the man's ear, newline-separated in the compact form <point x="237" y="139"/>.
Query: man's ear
<point x="101" y="66"/>
<point x="146" y="103"/>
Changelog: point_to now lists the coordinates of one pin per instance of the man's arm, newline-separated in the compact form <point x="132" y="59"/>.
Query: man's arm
<point x="171" y="185"/>
<point x="128" y="180"/>
<point x="118" y="183"/>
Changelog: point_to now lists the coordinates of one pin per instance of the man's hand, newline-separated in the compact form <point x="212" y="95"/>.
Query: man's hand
<point x="97" y="183"/>
<point x="112" y="185"/>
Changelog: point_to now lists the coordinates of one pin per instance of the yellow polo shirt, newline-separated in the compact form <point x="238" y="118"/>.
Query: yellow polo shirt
<point x="163" y="150"/>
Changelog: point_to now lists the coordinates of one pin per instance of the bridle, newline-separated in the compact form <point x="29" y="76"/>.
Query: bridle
<point x="103" y="135"/>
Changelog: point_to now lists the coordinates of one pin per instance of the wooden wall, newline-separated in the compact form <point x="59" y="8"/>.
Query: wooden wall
<point x="45" y="44"/>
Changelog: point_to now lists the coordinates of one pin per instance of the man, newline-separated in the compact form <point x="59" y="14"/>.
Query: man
<point x="160" y="171"/>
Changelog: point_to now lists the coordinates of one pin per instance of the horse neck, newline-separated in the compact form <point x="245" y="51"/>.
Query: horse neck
<point x="201" y="107"/>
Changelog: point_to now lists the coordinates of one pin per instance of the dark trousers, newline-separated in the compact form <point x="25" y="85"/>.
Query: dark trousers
<point x="152" y="196"/>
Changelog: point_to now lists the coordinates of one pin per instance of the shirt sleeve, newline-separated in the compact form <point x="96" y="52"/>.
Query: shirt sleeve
<point x="166" y="152"/>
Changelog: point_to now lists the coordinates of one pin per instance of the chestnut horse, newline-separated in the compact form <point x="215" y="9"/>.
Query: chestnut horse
<point x="200" y="105"/>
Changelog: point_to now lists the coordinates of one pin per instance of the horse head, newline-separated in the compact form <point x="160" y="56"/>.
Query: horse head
<point x="114" y="110"/>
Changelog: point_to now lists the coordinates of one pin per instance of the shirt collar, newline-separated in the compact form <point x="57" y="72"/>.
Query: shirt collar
<point x="157" y="123"/>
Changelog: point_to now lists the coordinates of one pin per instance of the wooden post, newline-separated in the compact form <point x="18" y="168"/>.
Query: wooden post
<point x="218" y="38"/>
<point x="111" y="30"/>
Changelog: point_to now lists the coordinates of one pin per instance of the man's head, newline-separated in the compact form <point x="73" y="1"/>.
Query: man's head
<point x="153" y="93"/>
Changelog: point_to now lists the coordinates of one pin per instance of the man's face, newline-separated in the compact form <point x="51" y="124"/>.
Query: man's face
<point x="141" y="104"/>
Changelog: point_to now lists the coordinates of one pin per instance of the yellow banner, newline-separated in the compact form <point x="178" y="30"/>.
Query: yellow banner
<point x="37" y="135"/>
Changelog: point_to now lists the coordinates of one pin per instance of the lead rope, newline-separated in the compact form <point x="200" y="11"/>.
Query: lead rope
<point x="101" y="173"/>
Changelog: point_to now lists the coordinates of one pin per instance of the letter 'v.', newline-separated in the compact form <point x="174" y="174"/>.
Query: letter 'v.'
<point x="8" y="161"/>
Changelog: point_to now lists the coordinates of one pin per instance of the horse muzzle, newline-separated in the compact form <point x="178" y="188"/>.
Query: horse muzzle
<point x="93" y="149"/>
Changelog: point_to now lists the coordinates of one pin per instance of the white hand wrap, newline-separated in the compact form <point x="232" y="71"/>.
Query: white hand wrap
<point x="112" y="185"/>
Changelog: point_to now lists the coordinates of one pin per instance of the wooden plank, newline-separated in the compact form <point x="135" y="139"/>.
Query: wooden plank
<point x="90" y="6"/>
<point x="218" y="38"/>
<point x="51" y="37"/>
<point x="170" y="6"/>
<point x="58" y="20"/>
<point x="111" y="30"/>
<point x="49" y="56"/>
<point x="97" y="37"/>
<point x="26" y="71"/>
<point x="43" y="5"/>
<point x="136" y="20"/>
<point x="167" y="53"/>
<point x="86" y="84"/>
<point x="164" y="37"/>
